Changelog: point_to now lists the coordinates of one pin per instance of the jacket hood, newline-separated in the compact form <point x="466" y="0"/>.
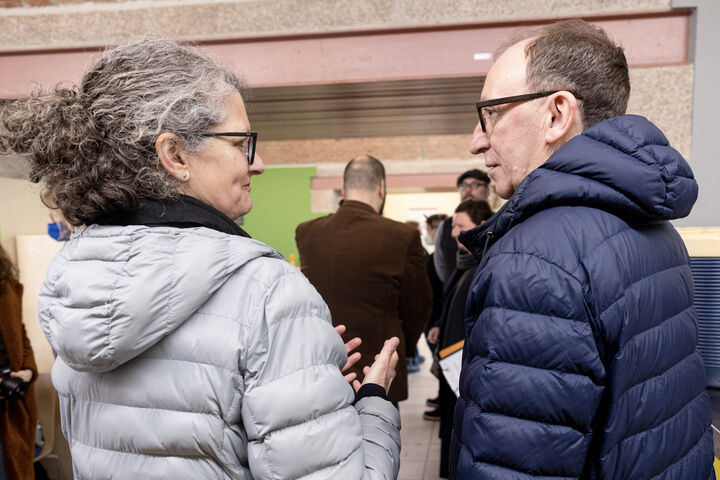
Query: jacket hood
<point x="113" y="292"/>
<point x="623" y="165"/>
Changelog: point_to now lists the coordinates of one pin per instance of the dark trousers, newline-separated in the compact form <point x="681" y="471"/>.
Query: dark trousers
<point x="447" y="412"/>
<point x="3" y="473"/>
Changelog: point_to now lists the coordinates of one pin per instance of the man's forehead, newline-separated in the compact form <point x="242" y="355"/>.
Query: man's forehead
<point x="507" y="76"/>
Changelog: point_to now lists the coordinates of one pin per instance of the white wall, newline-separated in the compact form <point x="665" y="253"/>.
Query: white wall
<point x="414" y="206"/>
<point x="21" y="212"/>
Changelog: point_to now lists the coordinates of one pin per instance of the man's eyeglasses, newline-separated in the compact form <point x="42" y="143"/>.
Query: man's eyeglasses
<point x="513" y="99"/>
<point x="251" y="136"/>
<point x="471" y="186"/>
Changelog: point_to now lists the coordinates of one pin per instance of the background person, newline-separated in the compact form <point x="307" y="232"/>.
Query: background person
<point x="450" y="328"/>
<point x="369" y="269"/>
<point x="432" y="223"/>
<point x="472" y="185"/>
<point x="581" y="355"/>
<point x="185" y="348"/>
<point x="18" y="415"/>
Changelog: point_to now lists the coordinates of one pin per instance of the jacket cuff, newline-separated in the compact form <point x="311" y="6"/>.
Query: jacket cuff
<point x="370" y="390"/>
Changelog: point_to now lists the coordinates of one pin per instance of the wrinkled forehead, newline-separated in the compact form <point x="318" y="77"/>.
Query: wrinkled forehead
<point x="507" y="76"/>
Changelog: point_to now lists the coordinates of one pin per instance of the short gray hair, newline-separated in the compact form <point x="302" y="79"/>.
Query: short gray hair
<point x="93" y="146"/>
<point x="577" y="56"/>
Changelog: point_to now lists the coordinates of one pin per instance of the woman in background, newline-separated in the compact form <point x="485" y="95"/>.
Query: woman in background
<point x="185" y="349"/>
<point x="18" y="414"/>
<point x="451" y="330"/>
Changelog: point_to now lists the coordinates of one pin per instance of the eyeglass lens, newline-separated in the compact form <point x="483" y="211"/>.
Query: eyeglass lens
<point x="471" y="185"/>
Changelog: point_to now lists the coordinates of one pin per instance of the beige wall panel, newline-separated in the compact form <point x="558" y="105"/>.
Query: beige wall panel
<point x="458" y="11"/>
<point x="21" y="212"/>
<point x="110" y="23"/>
<point x="664" y="96"/>
<point x="338" y="150"/>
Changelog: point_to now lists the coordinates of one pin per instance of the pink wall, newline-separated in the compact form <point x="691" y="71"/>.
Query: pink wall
<point x="659" y="38"/>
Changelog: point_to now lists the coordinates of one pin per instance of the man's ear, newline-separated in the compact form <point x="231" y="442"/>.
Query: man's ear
<point x="564" y="118"/>
<point x="171" y="155"/>
<point x="382" y="189"/>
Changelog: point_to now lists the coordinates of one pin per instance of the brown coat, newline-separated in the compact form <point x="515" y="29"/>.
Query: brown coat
<point x="17" y="417"/>
<point x="371" y="272"/>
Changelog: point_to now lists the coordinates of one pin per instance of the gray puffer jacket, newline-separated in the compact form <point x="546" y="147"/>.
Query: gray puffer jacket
<point x="190" y="353"/>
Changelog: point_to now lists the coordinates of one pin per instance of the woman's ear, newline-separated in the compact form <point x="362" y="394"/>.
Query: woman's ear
<point x="565" y="121"/>
<point x="171" y="155"/>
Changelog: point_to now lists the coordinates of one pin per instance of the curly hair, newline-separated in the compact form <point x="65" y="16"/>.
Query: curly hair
<point x="93" y="146"/>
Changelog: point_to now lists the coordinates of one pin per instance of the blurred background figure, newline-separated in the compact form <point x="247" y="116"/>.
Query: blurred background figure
<point x="18" y="412"/>
<point x="450" y="329"/>
<point x="472" y="185"/>
<point x="432" y="224"/>
<point x="369" y="269"/>
<point x="58" y="227"/>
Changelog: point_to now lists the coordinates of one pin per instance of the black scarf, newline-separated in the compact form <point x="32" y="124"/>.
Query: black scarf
<point x="465" y="260"/>
<point x="181" y="212"/>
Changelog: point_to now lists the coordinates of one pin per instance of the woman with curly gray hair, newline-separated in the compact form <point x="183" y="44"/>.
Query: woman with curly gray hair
<point x="185" y="348"/>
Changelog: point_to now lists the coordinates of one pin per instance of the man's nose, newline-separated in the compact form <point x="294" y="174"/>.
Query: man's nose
<point x="258" y="166"/>
<point x="479" y="142"/>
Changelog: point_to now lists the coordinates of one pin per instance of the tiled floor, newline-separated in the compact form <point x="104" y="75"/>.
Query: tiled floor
<point x="420" y="457"/>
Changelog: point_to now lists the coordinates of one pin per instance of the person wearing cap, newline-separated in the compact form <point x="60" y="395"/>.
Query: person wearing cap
<point x="472" y="185"/>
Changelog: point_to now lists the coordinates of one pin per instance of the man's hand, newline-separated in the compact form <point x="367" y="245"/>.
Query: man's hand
<point x="26" y="375"/>
<point x="433" y="334"/>
<point x="352" y="359"/>
<point x="382" y="371"/>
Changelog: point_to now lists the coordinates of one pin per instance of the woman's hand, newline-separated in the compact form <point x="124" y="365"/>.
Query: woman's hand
<point x="433" y="334"/>
<point x="352" y="359"/>
<point x="25" y="375"/>
<point x="382" y="371"/>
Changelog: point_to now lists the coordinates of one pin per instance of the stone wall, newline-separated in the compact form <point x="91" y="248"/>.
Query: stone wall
<point x="53" y="23"/>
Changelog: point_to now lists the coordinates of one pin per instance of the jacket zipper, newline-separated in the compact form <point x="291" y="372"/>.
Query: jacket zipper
<point x="488" y="235"/>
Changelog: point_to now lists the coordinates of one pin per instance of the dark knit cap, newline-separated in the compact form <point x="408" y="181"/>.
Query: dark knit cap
<point x="474" y="173"/>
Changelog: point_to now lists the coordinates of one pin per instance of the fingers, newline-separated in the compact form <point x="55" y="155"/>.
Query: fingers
<point x="390" y="346"/>
<point x="394" y="360"/>
<point x="391" y="370"/>
<point x="352" y="360"/>
<point x="356" y="385"/>
<point x="350" y="377"/>
<point x="352" y="344"/>
<point x="340" y="329"/>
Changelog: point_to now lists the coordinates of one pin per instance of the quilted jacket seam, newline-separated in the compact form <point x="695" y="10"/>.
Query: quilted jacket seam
<point x="540" y="257"/>
<point x="687" y="406"/>
<point x="665" y="370"/>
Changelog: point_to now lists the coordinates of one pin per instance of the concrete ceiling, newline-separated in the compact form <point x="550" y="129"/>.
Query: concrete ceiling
<point x="441" y="106"/>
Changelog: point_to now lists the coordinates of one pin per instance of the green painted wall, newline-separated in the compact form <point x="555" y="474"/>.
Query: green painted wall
<point x="281" y="201"/>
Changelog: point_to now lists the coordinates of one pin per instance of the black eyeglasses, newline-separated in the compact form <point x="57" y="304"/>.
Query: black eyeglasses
<point x="513" y="99"/>
<point x="471" y="186"/>
<point x="252" y="140"/>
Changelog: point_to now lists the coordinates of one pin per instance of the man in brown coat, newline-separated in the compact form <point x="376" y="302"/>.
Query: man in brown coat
<point x="17" y="416"/>
<point x="370" y="270"/>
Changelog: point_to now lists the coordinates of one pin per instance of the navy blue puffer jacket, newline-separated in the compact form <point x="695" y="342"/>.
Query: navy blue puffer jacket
<point x="581" y="357"/>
